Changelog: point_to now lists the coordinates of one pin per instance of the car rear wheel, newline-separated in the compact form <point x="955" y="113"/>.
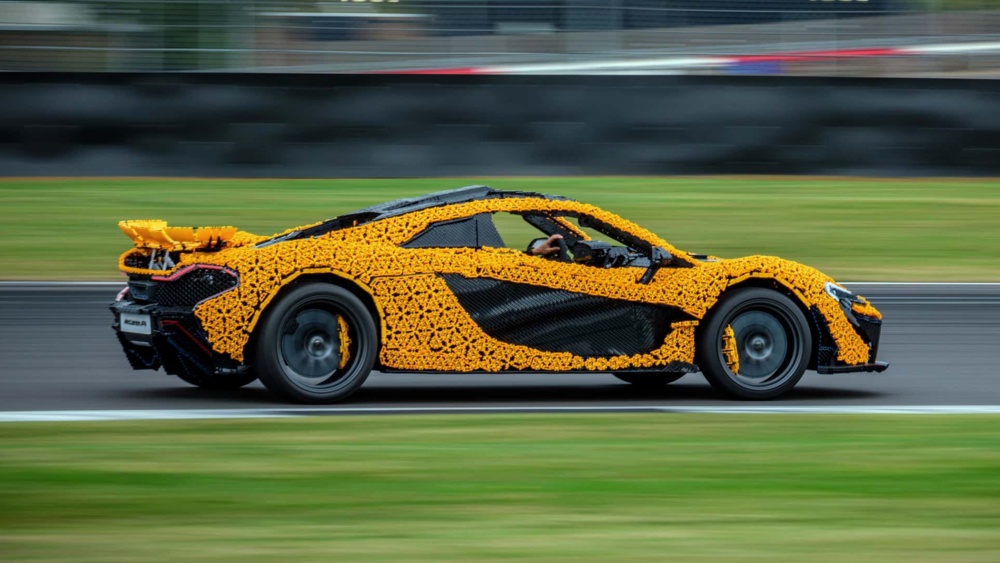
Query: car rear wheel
<point x="754" y="345"/>
<point x="317" y="344"/>
<point x="650" y="380"/>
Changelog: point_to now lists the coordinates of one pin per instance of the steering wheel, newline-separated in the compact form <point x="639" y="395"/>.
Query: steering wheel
<point x="564" y="250"/>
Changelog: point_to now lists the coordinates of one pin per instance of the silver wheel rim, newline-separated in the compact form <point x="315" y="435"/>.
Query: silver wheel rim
<point x="309" y="348"/>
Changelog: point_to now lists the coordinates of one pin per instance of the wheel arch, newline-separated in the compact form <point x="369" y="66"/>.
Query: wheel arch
<point x="358" y="289"/>
<point x="775" y="284"/>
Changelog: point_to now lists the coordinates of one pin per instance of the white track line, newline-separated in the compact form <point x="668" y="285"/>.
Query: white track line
<point x="202" y="414"/>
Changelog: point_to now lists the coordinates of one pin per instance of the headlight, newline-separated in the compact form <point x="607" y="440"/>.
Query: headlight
<point x="840" y="294"/>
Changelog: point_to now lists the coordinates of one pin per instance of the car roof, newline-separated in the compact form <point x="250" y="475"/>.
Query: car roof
<point x="446" y="197"/>
<point x="406" y="205"/>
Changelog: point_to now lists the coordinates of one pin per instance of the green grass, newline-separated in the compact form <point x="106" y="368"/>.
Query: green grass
<point x="556" y="487"/>
<point x="853" y="229"/>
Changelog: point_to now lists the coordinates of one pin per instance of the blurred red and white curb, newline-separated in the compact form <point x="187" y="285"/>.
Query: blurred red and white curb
<point x="680" y="64"/>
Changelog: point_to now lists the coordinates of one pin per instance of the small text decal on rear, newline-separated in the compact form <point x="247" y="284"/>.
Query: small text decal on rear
<point x="139" y="324"/>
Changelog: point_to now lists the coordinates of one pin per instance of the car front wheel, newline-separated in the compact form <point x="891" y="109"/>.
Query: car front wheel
<point x="755" y="344"/>
<point x="317" y="344"/>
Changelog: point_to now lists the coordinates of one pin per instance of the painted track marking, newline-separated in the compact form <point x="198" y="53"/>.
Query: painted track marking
<point x="205" y="414"/>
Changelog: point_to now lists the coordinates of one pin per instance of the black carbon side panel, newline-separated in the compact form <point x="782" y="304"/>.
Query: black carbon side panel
<point x="472" y="232"/>
<point x="554" y="320"/>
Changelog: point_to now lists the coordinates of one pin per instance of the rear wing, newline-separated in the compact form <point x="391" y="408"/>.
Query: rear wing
<point x="157" y="235"/>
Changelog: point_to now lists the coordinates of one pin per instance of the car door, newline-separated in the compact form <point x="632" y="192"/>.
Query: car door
<point x="556" y="306"/>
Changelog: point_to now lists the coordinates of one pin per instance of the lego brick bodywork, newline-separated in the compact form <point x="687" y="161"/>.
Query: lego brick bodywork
<point x="426" y="326"/>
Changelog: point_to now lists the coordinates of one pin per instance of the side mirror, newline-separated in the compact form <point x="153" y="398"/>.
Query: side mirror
<point x="658" y="258"/>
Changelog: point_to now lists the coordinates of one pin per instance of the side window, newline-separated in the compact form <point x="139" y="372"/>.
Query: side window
<point x="600" y="231"/>
<point x="468" y="232"/>
<point x="588" y="240"/>
<point x="606" y="246"/>
<point x="591" y="233"/>
<point x="515" y="231"/>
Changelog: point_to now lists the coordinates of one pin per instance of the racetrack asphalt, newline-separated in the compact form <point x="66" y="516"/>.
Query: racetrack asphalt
<point x="58" y="352"/>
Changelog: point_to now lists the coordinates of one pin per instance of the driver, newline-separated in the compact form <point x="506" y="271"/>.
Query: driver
<point x="547" y="248"/>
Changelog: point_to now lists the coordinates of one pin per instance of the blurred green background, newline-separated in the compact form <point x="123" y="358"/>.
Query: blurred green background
<point x="855" y="229"/>
<point x="558" y="487"/>
<point x="555" y="487"/>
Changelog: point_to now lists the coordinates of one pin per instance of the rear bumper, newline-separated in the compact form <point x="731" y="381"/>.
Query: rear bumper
<point x="156" y="325"/>
<point x="174" y="341"/>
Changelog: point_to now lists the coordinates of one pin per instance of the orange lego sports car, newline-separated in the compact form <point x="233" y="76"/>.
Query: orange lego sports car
<point x="430" y="284"/>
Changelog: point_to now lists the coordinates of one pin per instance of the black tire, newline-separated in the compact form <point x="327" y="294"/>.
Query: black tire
<point x="220" y="381"/>
<point x="298" y="344"/>
<point x="772" y="339"/>
<point x="650" y="380"/>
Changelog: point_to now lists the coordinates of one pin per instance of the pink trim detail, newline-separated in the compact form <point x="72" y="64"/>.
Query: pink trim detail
<point x="186" y="269"/>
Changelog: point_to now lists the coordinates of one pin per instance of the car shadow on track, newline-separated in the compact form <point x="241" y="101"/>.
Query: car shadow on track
<point x="490" y="394"/>
<point x="183" y="396"/>
<point x="673" y="395"/>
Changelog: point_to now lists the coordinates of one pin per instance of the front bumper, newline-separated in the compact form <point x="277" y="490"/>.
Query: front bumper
<point x="869" y="329"/>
